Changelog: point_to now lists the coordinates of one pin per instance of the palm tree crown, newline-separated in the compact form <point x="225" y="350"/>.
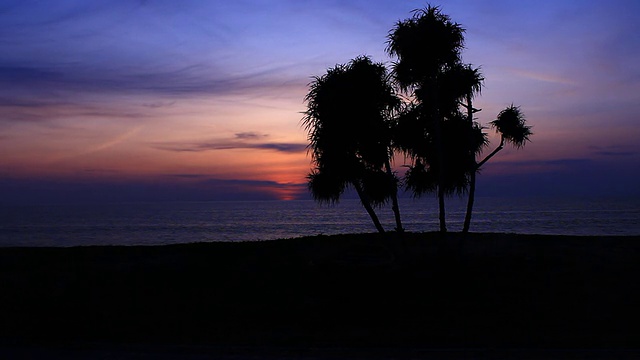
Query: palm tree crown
<point x="424" y="44"/>
<point x="510" y="124"/>
<point x="348" y="118"/>
<point x="348" y="114"/>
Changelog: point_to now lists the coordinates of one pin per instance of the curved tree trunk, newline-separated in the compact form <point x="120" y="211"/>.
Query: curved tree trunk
<point x="491" y="155"/>
<point x="364" y="200"/>
<point x="394" y="200"/>
<point x="472" y="186"/>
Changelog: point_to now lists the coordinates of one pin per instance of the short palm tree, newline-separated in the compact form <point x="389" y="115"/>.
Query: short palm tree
<point x="511" y="125"/>
<point x="348" y="119"/>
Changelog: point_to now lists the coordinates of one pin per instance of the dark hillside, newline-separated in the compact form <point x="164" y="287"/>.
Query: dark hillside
<point x="490" y="290"/>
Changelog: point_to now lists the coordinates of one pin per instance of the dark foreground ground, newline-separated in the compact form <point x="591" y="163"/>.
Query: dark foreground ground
<point x="351" y="296"/>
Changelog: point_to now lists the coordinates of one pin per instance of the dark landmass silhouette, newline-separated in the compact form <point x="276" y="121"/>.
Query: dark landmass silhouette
<point x="344" y="294"/>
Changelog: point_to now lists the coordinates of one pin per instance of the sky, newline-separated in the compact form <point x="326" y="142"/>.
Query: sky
<point x="122" y="100"/>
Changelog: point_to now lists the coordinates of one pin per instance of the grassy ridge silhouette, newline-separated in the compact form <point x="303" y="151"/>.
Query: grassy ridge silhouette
<point x="363" y="290"/>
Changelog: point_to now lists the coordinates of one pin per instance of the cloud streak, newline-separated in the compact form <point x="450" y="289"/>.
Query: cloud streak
<point x="544" y="77"/>
<point x="209" y="146"/>
<point x="549" y="164"/>
<point x="181" y="82"/>
<point x="614" y="151"/>
<point x="176" y="187"/>
<point x="243" y="140"/>
<point x="42" y="110"/>
<point x="249" y="135"/>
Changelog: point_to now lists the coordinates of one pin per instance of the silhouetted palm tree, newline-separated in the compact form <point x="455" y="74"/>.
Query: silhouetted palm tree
<point x="477" y="140"/>
<point x="511" y="125"/>
<point x="424" y="44"/>
<point x="428" y="47"/>
<point x="348" y="118"/>
<point x="461" y="142"/>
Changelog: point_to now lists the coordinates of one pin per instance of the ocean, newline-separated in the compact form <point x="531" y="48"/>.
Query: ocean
<point x="184" y="222"/>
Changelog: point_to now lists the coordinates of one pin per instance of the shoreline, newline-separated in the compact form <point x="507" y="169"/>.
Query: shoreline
<point x="497" y="291"/>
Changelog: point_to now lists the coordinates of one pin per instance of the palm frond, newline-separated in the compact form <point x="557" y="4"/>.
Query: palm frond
<point x="420" y="180"/>
<point x="325" y="187"/>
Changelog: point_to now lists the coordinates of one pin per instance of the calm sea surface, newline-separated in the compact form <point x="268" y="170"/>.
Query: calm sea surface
<point x="182" y="222"/>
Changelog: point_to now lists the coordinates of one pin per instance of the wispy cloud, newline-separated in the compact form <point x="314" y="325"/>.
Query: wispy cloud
<point x="270" y="189"/>
<point x="545" y="77"/>
<point x="612" y="151"/>
<point x="203" y="187"/>
<point x="564" y="162"/>
<point x="208" y="179"/>
<point x="283" y="147"/>
<point x="197" y="147"/>
<point x="250" y="135"/>
<point x="243" y="140"/>
<point x="188" y="176"/>
<point x="27" y="75"/>
<point x="569" y="162"/>
<point x="244" y="182"/>
<point x="159" y="104"/>
<point x="616" y="153"/>
<point x="184" y="81"/>
<point x="551" y="166"/>
<point x="40" y="110"/>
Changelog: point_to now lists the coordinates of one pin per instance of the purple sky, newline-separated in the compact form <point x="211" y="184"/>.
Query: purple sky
<point x="164" y="100"/>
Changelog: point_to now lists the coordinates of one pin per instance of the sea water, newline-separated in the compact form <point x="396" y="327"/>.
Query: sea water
<point x="184" y="222"/>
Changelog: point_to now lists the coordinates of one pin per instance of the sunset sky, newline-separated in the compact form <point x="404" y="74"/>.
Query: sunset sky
<point x="114" y="100"/>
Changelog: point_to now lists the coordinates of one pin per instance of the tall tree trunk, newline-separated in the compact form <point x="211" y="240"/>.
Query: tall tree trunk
<point x="364" y="199"/>
<point x="474" y="170"/>
<point x="435" y="112"/>
<point x="441" y="174"/>
<point x="441" y="209"/>
<point x="394" y="199"/>
<point x="470" y="200"/>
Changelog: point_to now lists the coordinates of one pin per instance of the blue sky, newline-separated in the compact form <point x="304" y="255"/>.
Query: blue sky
<point x="202" y="99"/>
